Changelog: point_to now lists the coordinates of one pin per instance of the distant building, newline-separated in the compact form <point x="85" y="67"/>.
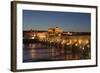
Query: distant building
<point x="51" y="30"/>
<point x="55" y="31"/>
<point x="58" y="30"/>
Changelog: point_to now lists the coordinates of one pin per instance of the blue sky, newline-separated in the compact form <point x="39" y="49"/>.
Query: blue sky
<point x="68" y="21"/>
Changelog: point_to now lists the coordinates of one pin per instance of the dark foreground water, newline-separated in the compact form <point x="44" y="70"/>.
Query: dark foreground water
<point x="40" y="52"/>
<point x="35" y="52"/>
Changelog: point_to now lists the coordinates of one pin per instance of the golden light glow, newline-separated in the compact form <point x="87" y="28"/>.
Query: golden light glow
<point x="88" y="46"/>
<point x="41" y="35"/>
<point x="75" y="40"/>
<point x="87" y="41"/>
<point x="63" y="42"/>
<point x="83" y="48"/>
<point x="69" y="33"/>
<point x="80" y="41"/>
<point x="76" y="44"/>
<point x="70" y="41"/>
<point x="33" y="37"/>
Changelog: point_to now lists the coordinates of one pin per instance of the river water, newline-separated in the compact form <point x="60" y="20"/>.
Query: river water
<point x="35" y="52"/>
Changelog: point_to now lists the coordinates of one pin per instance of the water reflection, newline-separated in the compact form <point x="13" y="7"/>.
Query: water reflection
<point x="52" y="51"/>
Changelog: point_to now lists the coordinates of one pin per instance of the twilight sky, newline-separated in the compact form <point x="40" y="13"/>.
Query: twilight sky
<point x="68" y="21"/>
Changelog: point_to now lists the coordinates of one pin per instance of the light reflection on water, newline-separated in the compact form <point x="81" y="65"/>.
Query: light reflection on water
<point x="33" y="52"/>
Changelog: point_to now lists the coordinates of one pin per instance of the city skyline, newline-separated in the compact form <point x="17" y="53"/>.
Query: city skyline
<point x="68" y="21"/>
